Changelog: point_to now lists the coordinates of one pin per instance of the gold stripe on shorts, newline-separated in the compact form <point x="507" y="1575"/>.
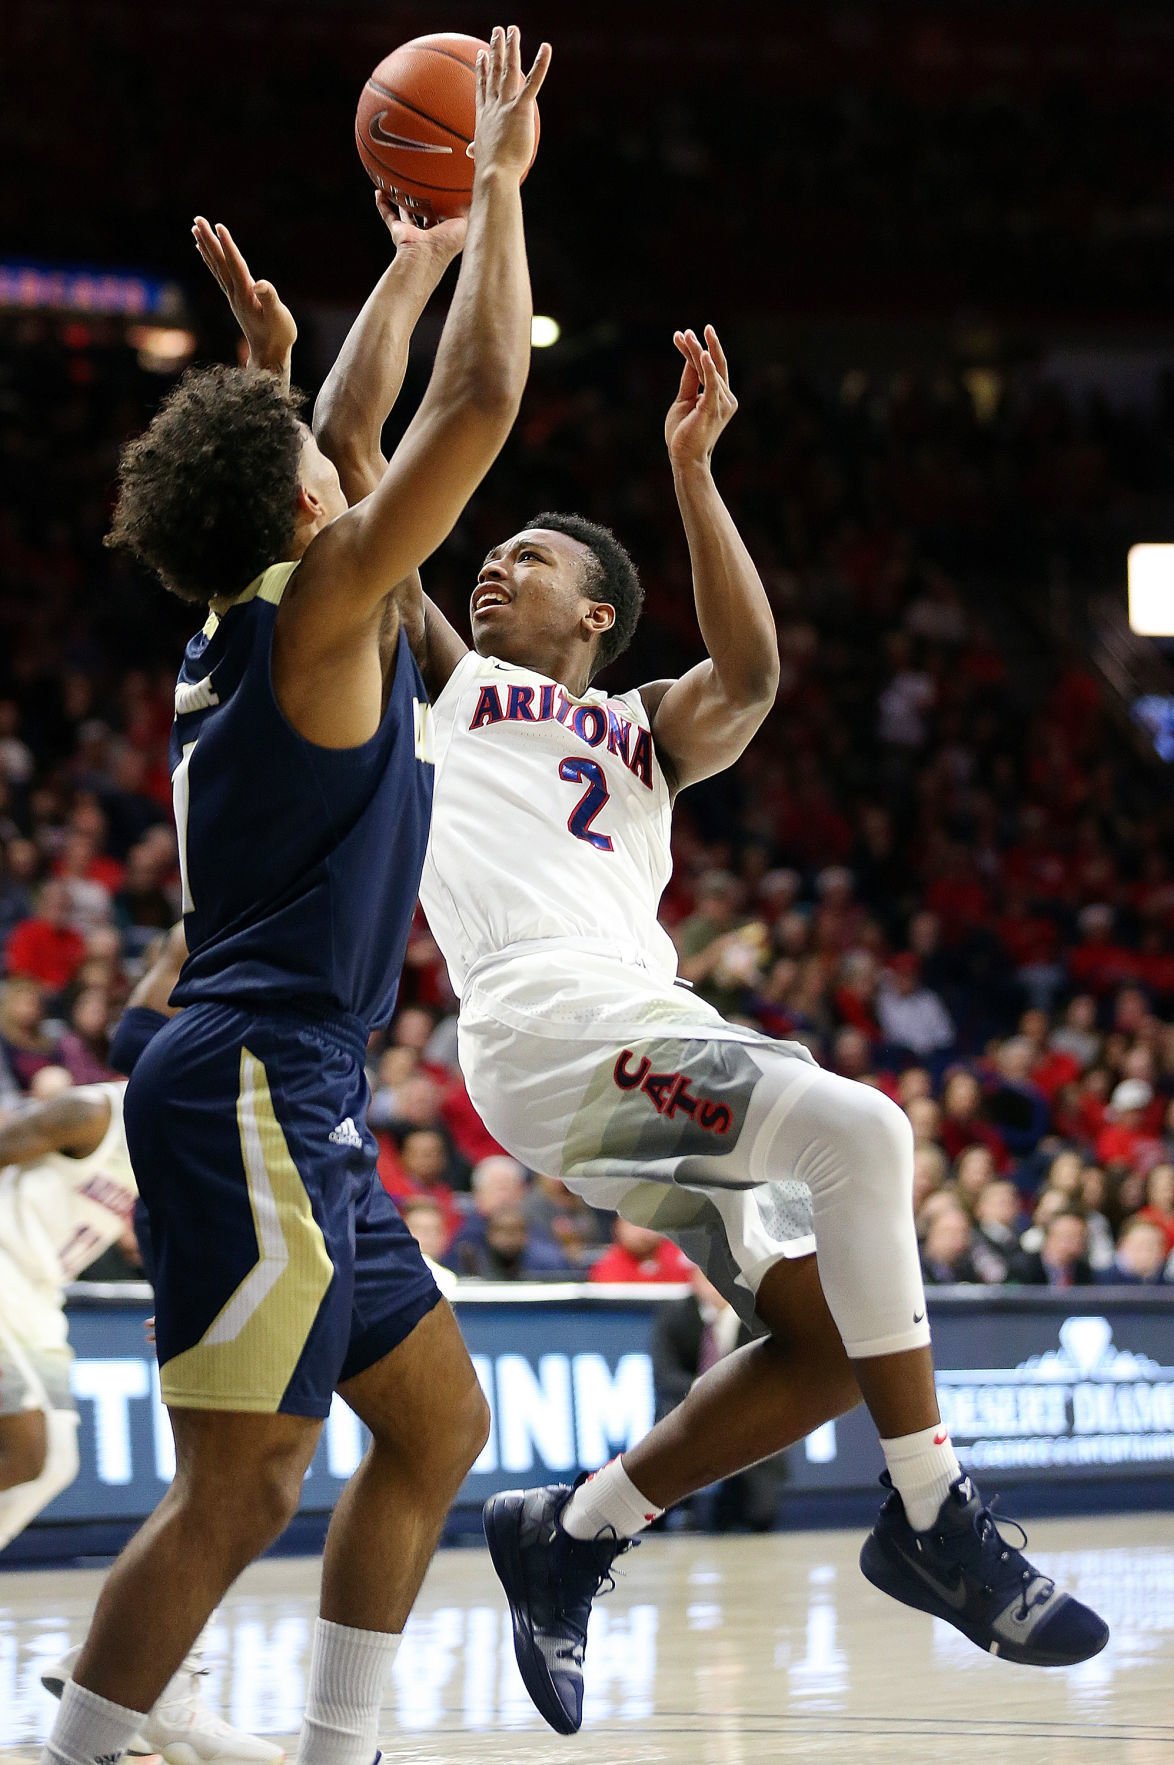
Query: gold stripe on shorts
<point x="247" y="1355"/>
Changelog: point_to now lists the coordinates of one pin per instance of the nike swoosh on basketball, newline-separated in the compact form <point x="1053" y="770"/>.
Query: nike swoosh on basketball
<point x="385" y="138"/>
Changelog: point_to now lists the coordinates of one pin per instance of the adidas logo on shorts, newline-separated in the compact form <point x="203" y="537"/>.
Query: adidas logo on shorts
<point x="345" y="1134"/>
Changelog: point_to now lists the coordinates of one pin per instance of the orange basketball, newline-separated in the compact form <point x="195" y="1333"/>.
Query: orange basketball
<point x="415" y="121"/>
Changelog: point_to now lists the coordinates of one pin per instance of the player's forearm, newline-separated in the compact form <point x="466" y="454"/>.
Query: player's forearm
<point x="365" y="381"/>
<point x="733" y="612"/>
<point x="24" y="1139"/>
<point x="484" y="353"/>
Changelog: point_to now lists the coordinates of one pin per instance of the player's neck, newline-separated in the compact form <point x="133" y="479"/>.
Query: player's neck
<point x="567" y="669"/>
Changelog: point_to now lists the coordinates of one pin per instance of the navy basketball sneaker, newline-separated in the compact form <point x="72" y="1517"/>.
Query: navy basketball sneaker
<point x="550" y="1580"/>
<point x="963" y="1570"/>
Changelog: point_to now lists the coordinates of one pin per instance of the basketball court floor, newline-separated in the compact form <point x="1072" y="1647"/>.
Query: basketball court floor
<point x="714" y="1650"/>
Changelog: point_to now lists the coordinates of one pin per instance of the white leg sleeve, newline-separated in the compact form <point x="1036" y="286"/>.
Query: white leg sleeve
<point x="854" y="1150"/>
<point x="21" y="1504"/>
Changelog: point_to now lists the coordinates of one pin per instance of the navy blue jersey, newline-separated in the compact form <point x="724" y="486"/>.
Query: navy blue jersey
<point x="300" y="864"/>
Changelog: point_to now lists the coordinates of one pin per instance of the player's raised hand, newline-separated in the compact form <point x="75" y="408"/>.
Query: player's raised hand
<point x="704" y="403"/>
<point x="267" y="324"/>
<point x="506" y="123"/>
<point x="417" y="230"/>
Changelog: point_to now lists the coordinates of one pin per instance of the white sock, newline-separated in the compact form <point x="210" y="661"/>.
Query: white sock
<point x="922" y="1466"/>
<point x="348" y="1673"/>
<point x="89" y="1730"/>
<point x="608" y="1498"/>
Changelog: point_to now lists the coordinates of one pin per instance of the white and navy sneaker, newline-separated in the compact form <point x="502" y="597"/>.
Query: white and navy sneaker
<point x="181" y="1727"/>
<point x="550" y="1580"/>
<point x="963" y="1570"/>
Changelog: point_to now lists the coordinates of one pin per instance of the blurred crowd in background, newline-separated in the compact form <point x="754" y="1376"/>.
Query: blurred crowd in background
<point x="947" y="863"/>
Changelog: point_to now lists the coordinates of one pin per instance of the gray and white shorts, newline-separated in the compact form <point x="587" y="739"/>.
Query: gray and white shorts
<point x="35" y="1356"/>
<point x="642" y="1098"/>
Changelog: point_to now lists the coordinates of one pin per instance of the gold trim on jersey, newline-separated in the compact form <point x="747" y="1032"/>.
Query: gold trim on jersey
<point x="270" y="585"/>
<point x="247" y="1355"/>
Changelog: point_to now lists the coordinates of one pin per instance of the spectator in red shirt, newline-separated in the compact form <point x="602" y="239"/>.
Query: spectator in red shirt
<point x="46" y="948"/>
<point x="418" y="1168"/>
<point x="855" y="993"/>
<point x="958" y="895"/>
<point x="89" y="880"/>
<point x="469" y="1134"/>
<point x="962" y="1120"/>
<point x="839" y="920"/>
<point x="1051" y="1068"/>
<point x="1098" y="963"/>
<point x="641" y="1256"/>
<point x="1126" y="1138"/>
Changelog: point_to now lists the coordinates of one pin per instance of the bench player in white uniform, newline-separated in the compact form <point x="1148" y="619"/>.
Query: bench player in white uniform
<point x="67" y="1191"/>
<point x="549" y="851"/>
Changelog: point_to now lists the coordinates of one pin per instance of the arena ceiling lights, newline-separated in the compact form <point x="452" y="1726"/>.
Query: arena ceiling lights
<point x="1151" y="590"/>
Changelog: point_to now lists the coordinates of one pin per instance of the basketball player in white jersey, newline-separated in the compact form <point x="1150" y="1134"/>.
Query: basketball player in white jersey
<point x="791" y="1187"/>
<point x="67" y="1192"/>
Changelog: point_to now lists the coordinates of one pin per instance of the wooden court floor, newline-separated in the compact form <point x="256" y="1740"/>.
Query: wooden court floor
<point x="716" y="1650"/>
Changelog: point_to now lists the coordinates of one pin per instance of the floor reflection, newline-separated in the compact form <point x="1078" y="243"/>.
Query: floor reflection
<point x="723" y="1650"/>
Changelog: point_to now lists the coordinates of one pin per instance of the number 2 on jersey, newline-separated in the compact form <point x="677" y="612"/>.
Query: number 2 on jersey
<point x="590" y="773"/>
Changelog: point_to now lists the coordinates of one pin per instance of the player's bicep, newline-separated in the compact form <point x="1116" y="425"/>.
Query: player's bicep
<point x="696" y="729"/>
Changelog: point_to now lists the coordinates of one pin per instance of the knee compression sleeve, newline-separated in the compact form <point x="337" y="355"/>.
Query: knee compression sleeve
<point x="854" y="1150"/>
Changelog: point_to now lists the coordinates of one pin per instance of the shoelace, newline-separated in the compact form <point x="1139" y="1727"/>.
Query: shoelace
<point x="605" y="1582"/>
<point x="987" y="1527"/>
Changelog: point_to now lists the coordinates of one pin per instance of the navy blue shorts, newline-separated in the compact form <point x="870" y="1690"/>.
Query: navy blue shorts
<point x="281" y="1265"/>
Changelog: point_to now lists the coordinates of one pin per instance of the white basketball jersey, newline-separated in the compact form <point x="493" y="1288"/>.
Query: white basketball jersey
<point x="57" y="1215"/>
<point x="551" y="820"/>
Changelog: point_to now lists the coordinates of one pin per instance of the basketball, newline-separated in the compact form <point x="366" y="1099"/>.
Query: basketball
<point x="415" y="121"/>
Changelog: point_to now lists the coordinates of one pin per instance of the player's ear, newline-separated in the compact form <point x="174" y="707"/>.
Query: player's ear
<point x="600" y="617"/>
<point x="308" y="503"/>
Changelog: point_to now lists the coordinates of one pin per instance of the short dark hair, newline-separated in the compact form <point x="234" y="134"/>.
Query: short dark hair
<point x="615" y="579"/>
<point x="207" y="494"/>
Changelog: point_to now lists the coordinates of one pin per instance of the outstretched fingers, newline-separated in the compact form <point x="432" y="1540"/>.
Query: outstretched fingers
<point x="498" y="58"/>
<point x="718" y="353"/>
<point x="538" y="72"/>
<point x="238" y="269"/>
<point x="211" y="251"/>
<point x="690" y="378"/>
<point x="690" y="347"/>
<point x="513" y="57"/>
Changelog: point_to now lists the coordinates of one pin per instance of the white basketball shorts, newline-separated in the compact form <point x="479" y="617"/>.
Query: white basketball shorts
<point x="642" y="1098"/>
<point x="35" y="1356"/>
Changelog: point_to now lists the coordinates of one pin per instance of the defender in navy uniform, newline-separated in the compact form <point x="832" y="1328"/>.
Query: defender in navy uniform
<point x="302" y="791"/>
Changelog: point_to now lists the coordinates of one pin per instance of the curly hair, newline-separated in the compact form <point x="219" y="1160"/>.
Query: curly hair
<point x="207" y="494"/>
<point x="614" y="579"/>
